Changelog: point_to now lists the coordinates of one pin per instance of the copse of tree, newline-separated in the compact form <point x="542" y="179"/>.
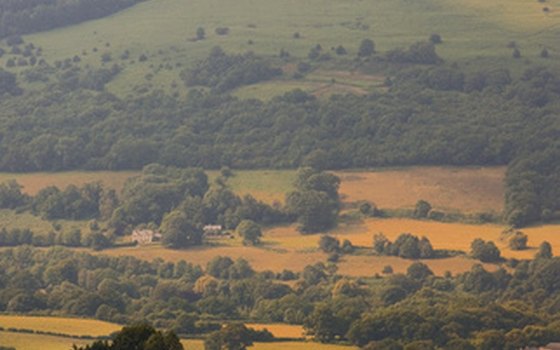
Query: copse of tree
<point x="418" y="53"/>
<point x="11" y="196"/>
<point x="250" y="232"/>
<point x="224" y="72"/>
<point x="329" y="244"/>
<point x="406" y="246"/>
<point x="518" y="241"/>
<point x="179" y="232"/>
<point x="545" y="251"/>
<point x="367" y="48"/>
<point x="422" y="209"/>
<point x="235" y="336"/>
<point x="485" y="251"/>
<point x="315" y="203"/>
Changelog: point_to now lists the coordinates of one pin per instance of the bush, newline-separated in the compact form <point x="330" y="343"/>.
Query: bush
<point x="329" y="244"/>
<point x="367" y="48"/>
<point x="518" y="241"/>
<point x="485" y="251"/>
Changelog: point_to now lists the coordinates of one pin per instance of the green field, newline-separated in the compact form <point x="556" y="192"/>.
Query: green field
<point x="164" y="29"/>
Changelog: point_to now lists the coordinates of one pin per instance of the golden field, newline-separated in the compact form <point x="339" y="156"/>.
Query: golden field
<point x="291" y="345"/>
<point x="22" y="341"/>
<point x="446" y="188"/>
<point x="62" y="325"/>
<point x="279" y="330"/>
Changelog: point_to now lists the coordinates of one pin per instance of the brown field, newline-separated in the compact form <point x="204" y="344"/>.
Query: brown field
<point x="22" y="341"/>
<point x="33" y="182"/>
<point x="447" y="188"/>
<point x="279" y="330"/>
<point x="284" y="248"/>
<point x="62" y="325"/>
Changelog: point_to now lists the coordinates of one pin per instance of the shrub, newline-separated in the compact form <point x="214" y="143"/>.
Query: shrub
<point x="518" y="241"/>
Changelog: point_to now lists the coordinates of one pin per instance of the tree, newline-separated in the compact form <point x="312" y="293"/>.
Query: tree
<point x="518" y="241"/>
<point x="516" y="53"/>
<point x="485" y="251"/>
<point x="545" y="251"/>
<point x="232" y="336"/>
<point x="422" y="209"/>
<point x="250" y="232"/>
<point x="435" y="39"/>
<point x="544" y="53"/>
<point x="200" y="33"/>
<point x="179" y="232"/>
<point x="367" y="48"/>
<point x="329" y="244"/>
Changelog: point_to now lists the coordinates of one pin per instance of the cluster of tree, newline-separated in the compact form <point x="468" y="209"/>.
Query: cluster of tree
<point x="138" y="337"/>
<point x="315" y="202"/>
<point x="406" y="246"/>
<point x="514" y="309"/>
<point x="73" y="238"/>
<point x="485" y="251"/>
<point x="235" y="336"/>
<point x="27" y="16"/>
<point x="223" y="72"/>
<point x="182" y="202"/>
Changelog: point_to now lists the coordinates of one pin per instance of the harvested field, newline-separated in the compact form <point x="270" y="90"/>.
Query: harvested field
<point x="33" y="182"/>
<point x="22" y="341"/>
<point x="446" y="188"/>
<point x="62" y="325"/>
<point x="292" y="345"/>
<point x="280" y="330"/>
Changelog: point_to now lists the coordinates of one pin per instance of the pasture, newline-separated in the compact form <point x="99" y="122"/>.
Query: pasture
<point x="164" y="31"/>
<point x="61" y="325"/>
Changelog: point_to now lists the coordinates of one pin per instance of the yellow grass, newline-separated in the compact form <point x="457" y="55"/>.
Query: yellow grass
<point x="464" y="189"/>
<point x="199" y="345"/>
<point x="33" y="182"/>
<point x="279" y="330"/>
<point x="22" y="341"/>
<point x="68" y="326"/>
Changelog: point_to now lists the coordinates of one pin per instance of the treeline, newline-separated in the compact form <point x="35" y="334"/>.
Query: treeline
<point x="19" y="17"/>
<point x="474" y="310"/>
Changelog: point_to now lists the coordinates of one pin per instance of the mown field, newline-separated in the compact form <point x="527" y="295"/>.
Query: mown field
<point x="61" y="325"/>
<point x="199" y="345"/>
<point x="164" y="30"/>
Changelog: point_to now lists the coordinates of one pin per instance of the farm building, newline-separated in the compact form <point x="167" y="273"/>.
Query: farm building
<point x="145" y="236"/>
<point x="213" y="230"/>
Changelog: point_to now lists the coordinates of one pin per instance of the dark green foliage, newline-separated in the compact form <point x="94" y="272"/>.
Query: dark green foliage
<point x="224" y="72"/>
<point x="545" y="251"/>
<point x="367" y="48"/>
<point x="233" y="336"/>
<point x="518" y="241"/>
<point x="250" y="231"/>
<point x="485" y="251"/>
<point x="179" y="232"/>
<point x="72" y="203"/>
<point x="419" y="53"/>
<point x="138" y="337"/>
<point x="422" y="209"/>
<point x="406" y="246"/>
<point x="11" y="196"/>
<point x="329" y="244"/>
<point x="28" y="16"/>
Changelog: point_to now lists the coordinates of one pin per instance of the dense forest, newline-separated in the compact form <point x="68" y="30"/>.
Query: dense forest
<point x="474" y="310"/>
<point x="19" y="17"/>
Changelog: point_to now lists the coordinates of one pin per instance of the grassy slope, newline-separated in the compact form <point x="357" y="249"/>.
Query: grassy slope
<point x="471" y="29"/>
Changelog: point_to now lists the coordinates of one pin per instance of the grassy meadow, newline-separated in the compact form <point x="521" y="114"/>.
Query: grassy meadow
<point x="164" y="31"/>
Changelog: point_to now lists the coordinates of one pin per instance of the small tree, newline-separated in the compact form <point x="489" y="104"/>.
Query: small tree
<point x="485" y="251"/>
<point x="329" y="244"/>
<point x="233" y="336"/>
<point x="250" y="231"/>
<point x="516" y="53"/>
<point x="367" y="48"/>
<point x="200" y="33"/>
<point x="422" y="209"/>
<point x="518" y="241"/>
<point x="544" y="53"/>
<point x="435" y="39"/>
<point x="545" y="251"/>
<point x="340" y="50"/>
